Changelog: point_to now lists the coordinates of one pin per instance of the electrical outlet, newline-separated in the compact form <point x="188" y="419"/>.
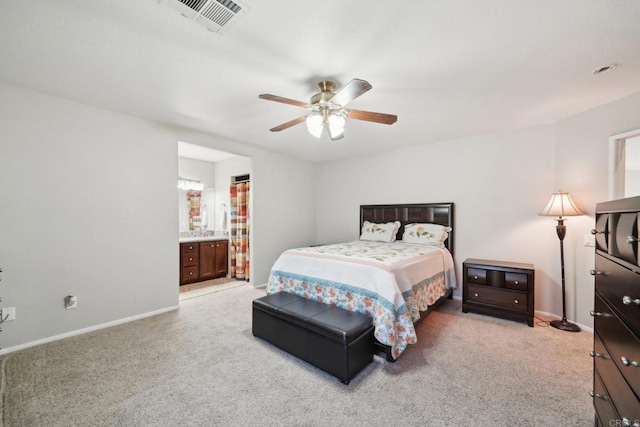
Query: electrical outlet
<point x="70" y="301"/>
<point x="7" y="314"/>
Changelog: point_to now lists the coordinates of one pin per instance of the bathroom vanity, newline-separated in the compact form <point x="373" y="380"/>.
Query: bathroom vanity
<point x="203" y="258"/>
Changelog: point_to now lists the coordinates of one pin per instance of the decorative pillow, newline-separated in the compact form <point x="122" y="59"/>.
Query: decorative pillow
<point x="380" y="232"/>
<point x="426" y="234"/>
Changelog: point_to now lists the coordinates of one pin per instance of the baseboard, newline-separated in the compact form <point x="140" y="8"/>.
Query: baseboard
<point x="556" y="317"/>
<point x="86" y="330"/>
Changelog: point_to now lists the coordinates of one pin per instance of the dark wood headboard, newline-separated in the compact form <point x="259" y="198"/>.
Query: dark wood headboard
<point x="436" y="213"/>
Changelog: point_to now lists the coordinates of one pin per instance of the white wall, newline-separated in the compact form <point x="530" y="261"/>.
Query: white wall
<point x="499" y="183"/>
<point x="88" y="206"/>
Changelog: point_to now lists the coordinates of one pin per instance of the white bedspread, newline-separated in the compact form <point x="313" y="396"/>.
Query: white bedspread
<point x="391" y="282"/>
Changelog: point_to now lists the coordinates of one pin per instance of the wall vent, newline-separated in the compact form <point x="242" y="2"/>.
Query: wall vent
<point x="215" y="15"/>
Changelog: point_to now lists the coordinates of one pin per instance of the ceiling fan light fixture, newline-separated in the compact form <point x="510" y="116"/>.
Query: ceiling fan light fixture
<point x="315" y="124"/>
<point x="336" y="123"/>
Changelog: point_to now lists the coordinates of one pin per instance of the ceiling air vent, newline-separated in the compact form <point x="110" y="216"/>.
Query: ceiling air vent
<point x="215" y="15"/>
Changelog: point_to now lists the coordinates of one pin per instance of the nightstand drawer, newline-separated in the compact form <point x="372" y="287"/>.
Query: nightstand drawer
<point x="517" y="281"/>
<point x="504" y="299"/>
<point x="477" y="276"/>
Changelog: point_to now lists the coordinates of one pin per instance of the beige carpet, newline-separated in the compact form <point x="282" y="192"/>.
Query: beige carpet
<point x="201" y="366"/>
<point x="205" y="284"/>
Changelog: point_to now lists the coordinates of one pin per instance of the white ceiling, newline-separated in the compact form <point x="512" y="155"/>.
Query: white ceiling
<point x="198" y="152"/>
<point x="447" y="68"/>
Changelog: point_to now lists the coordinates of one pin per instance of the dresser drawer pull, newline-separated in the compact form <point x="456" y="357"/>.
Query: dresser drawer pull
<point x="594" y="231"/>
<point x="627" y="300"/>
<point x="475" y="294"/>
<point x="475" y="277"/>
<point x="190" y="273"/>
<point x="516" y="301"/>
<point x="597" y="273"/>
<point x="599" y="396"/>
<point x="594" y="354"/>
<point x="516" y="282"/>
<point x="598" y="314"/>
<point x="627" y="362"/>
<point x="626" y="422"/>
<point x="632" y="239"/>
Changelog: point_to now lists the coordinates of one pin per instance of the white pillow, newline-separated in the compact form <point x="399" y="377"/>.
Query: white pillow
<point x="380" y="232"/>
<point x="426" y="234"/>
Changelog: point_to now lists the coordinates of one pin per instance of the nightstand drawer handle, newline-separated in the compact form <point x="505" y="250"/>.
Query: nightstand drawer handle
<point x="594" y="354"/>
<point x="632" y="239"/>
<point x="627" y="300"/>
<point x="626" y="422"/>
<point x="516" y="301"/>
<point x="190" y="273"/>
<point x="597" y="273"/>
<point x="599" y="396"/>
<point x="516" y="282"/>
<point x="594" y="231"/>
<point x="475" y="277"/>
<point x="627" y="362"/>
<point x="475" y="294"/>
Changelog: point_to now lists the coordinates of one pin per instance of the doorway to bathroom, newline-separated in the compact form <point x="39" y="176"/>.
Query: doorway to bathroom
<point x="207" y="216"/>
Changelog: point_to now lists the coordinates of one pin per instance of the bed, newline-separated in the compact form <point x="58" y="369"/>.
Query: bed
<point x="397" y="282"/>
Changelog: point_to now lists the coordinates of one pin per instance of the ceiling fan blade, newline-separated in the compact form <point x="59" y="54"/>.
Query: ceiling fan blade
<point x="288" y="124"/>
<point x="387" y="119"/>
<point x="276" y="98"/>
<point x="350" y="91"/>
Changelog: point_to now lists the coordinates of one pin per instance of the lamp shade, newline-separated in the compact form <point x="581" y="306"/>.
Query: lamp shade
<point x="561" y="205"/>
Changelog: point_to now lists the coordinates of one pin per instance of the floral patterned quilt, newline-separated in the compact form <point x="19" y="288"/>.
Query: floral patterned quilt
<point x="391" y="282"/>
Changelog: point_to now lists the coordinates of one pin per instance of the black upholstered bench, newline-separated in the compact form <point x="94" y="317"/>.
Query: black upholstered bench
<point x="335" y="340"/>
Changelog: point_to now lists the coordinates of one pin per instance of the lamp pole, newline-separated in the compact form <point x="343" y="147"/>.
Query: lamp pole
<point x="563" y="324"/>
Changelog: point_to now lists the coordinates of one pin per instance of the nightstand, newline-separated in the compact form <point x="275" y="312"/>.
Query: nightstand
<point x="499" y="288"/>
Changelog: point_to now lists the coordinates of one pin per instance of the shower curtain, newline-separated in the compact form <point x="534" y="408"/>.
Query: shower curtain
<point x="239" y="215"/>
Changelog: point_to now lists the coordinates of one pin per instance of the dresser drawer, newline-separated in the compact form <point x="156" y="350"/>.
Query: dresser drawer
<point x="602" y="403"/>
<point x="602" y="232"/>
<point x="614" y="283"/>
<point x="622" y="345"/>
<point x="517" y="281"/>
<point x="516" y="301"/>
<point x="623" y="226"/>
<point x="617" y="391"/>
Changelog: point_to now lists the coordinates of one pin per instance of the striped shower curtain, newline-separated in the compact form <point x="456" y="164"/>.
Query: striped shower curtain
<point x="239" y="215"/>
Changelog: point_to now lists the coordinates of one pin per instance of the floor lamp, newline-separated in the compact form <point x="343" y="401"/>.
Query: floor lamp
<point x="561" y="205"/>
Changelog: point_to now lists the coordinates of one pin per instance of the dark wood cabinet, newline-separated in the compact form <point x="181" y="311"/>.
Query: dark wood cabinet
<point x="499" y="288"/>
<point x="203" y="260"/>
<point x="221" y="258"/>
<point x="616" y="324"/>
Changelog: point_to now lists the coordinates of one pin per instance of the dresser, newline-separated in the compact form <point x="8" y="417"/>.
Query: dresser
<point x="616" y="338"/>
<point x="203" y="260"/>
<point x="500" y="288"/>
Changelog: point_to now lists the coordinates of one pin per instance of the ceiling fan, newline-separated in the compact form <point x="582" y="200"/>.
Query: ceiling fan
<point x="327" y="110"/>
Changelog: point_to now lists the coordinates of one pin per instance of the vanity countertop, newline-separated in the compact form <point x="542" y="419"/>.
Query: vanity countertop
<point x="202" y="239"/>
